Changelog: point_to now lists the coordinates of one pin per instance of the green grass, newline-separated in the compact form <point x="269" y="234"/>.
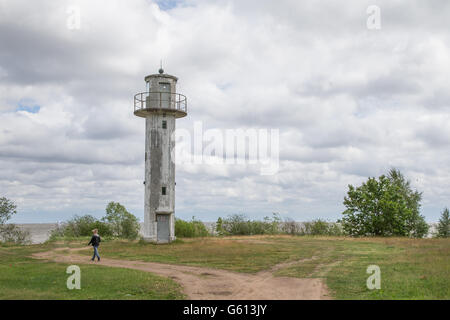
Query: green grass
<point x="223" y="253"/>
<point x="410" y="268"/>
<point x="22" y="277"/>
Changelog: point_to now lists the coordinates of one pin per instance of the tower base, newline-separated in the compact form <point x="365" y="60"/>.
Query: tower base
<point x="155" y="240"/>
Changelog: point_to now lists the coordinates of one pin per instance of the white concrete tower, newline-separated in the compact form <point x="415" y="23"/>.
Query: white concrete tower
<point x="160" y="105"/>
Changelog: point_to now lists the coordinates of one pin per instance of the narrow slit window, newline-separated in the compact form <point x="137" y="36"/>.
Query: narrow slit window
<point x="164" y="124"/>
<point x="163" y="191"/>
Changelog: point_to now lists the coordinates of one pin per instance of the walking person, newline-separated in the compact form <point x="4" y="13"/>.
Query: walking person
<point x="95" y="241"/>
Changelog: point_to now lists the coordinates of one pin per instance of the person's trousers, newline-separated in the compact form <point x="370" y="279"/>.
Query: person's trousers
<point x="95" y="253"/>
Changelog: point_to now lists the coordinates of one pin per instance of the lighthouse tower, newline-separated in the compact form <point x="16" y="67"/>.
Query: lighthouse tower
<point x="160" y="105"/>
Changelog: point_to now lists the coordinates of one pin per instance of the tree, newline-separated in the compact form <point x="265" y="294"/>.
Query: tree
<point x="7" y="210"/>
<point x="11" y="232"/>
<point x="123" y="223"/>
<point x="386" y="206"/>
<point x="219" y="227"/>
<point x="443" y="229"/>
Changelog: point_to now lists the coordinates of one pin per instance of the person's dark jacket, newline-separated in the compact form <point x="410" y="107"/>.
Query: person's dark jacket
<point x="95" y="240"/>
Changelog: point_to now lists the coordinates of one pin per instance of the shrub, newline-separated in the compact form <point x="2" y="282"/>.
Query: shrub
<point x="80" y="226"/>
<point x="238" y="224"/>
<point x="118" y="222"/>
<point x="190" y="229"/>
<point x="11" y="233"/>
<point x="289" y="226"/>
<point x="320" y="227"/>
<point x="335" y="229"/>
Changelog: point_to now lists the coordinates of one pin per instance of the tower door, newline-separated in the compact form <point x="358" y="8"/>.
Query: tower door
<point x="164" y="89"/>
<point x="162" y="221"/>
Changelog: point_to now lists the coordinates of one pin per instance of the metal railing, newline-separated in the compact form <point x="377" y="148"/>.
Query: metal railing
<point x="160" y="100"/>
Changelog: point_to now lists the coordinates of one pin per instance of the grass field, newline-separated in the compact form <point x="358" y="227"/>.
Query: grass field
<point x="410" y="268"/>
<point x="22" y="277"/>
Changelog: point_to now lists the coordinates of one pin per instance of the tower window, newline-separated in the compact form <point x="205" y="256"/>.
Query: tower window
<point x="164" y="86"/>
<point x="163" y="191"/>
<point x="164" y="124"/>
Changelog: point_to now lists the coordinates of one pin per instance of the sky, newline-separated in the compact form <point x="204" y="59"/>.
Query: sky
<point x="350" y="100"/>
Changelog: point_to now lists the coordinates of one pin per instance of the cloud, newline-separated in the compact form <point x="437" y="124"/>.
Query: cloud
<point x="349" y="102"/>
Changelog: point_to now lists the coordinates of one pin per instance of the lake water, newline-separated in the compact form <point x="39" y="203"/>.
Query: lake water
<point x="39" y="231"/>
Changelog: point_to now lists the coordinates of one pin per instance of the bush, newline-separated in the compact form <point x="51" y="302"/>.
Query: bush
<point x="118" y="222"/>
<point x="190" y="229"/>
<point x="320" y="227"/>
<point x="311" y="228"/>
<point x="317" y="228"/>
<point x="384" y="207"/>
<point x="10" y="233"/>
<point x="81" y="226"/>
<point x="335" y="229"/>
<point x="238" y="224"/>
<point x="289" y="226"/>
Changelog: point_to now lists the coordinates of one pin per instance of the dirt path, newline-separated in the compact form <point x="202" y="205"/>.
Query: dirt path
<point x="201" y="283"/>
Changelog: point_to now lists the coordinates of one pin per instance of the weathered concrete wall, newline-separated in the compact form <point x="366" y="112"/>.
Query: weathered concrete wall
<point x="159" y="165"/>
